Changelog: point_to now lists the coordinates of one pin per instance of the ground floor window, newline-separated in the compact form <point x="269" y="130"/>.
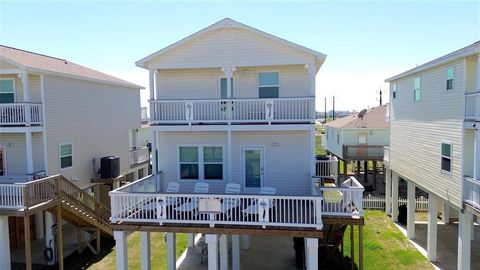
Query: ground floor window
<point x="201" y="162"/>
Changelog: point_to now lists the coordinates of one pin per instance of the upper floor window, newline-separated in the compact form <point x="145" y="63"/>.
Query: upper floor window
<point x="450" y="74"/>
<point x="268" y="84"/>
<point x="201" y="162"/>
<point x="66" y="155"/>
<point x="446" y="162"/>
<point x="394" y="90"/>
<point x="7" y="90"/>
<point x="416" y="89"/>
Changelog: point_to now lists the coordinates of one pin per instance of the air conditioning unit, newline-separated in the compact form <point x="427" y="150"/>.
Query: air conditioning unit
<point x="109" y="167"/>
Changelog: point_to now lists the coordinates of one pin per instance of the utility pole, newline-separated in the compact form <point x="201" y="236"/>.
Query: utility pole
<point x="325" y="111"/>
<point x="380" y="97"/>
<point x="333" y="107"/>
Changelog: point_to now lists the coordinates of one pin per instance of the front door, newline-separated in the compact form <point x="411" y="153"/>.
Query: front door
<point x="362" y="144"/>
<point x="253" y="167"/>
<point x="223" y="88"/>
<point x="3" y="161"/>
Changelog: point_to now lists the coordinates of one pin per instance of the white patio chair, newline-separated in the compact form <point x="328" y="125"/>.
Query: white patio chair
<point x="230" y="203"/>
<point x="255" y="206"/>
<point x="172" y="187"/>
<point x="191" y="206"/>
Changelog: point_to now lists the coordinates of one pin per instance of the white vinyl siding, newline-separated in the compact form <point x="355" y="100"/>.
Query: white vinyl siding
<point x="416" y="132"/>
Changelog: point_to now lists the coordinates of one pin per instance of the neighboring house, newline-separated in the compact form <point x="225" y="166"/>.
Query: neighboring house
<point x="358" y="137"/>
<point x="57" y="117"/>
<point x="232" y="113"/>
<point x="435" y="139"/>
<point x="140" y="147"/>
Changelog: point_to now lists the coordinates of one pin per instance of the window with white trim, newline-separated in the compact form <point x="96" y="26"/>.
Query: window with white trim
<point x="449" y="81"/>
<point x="394" y="90"/>
<point x="446" y="162"/>
<point x="201" y="162"/>
<point x="7" y="90"/>
<point x="268" y="85"/>
<point x="416" y="89"/>
<point x="66" y="155"/>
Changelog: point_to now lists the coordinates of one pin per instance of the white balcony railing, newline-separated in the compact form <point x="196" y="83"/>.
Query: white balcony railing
<point x="386" y="154"/>
<point x="139" y="155"/>
<point x="345" y="200"/>
<point x="327" y="168"/>
<point x="20" y="114"/>
<point x="471" y="191"/>
<point x="19" y="196"/>
<point x="472" y="106"/>
<point x="233" y="110"/>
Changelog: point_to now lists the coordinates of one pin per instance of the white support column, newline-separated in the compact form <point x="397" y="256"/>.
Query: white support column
<point x="229" y="75"/>
<point x="245" y="242"/>
<point x="191" y="240"/>
<point x="312" y="151"/>
<point x="4" y="244"/>
<point x="394" y="196"/>
<point x="134" y="138"/>
<point x="145" y="249"/>
<point x="411" y="210"/>
<point x="446" y="213"/>
<point x="476" y="151"/>
<point x="312" y="72"/>
<point x="212" y="242"/>
<point x="171" y="247"/>
<point x="432" y="228"/>
<point x="48" y="230"/>
<point x="223" y="252"/>
<point x="28" y="147"/>
<point x="229" y="156"/>
<point x="464" y="238"/>
<point x="39" y="228"/>
<point x="478" y="74"/>
<point x="122" y="250"/>
<point x="311" y="254"/>
<point x="235" y="252"/>
<point x="154" y="151"/>
<point x="388" y="191"/>
<point x="26" y="96"/>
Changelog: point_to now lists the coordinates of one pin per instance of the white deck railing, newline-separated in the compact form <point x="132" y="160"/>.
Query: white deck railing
<point x="472" y="106"/>
<point x="233" y="110"/>
<point x="18" y="196"/>
<point x="471" y="191"/>
<point x="346" y="200"/>
<point x="327" y="168"/>
<point x="378" y="202"/>
<point x="386" y="154"/>
<point x="139" y="155"/>
<point x="14" y="114"/>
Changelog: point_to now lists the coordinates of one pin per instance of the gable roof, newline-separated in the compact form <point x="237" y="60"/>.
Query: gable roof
<point x="461" y="53"/>
<point x="227" y="22"/>
<point x="34" y="62"/>
<point x="373" y="118"/>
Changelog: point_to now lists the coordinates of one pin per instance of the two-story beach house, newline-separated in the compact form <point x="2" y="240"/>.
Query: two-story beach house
<point x="56" y="117"/>
<point x="435" y="140"/>
<point x="232" y="112"/>
<point x="359" y="137"/>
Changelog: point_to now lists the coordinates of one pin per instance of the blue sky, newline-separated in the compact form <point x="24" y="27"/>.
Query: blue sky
<point x="366" y="42"/>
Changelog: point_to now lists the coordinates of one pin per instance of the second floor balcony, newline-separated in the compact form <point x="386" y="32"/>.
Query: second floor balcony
<point x="239" y="111"/>
<point x="21" y="114"/>
<point x="472" y="106"/>
<point x="471" y="192"/>
<point x="363" y="152"/>
<point x="138" y="156"/>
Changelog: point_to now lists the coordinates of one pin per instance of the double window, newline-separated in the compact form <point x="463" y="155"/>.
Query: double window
<point x="416" y="89"/>
<point x="450" y="74"/>
<point x="268" y="85"/>
<point x="7" y="90"/>
<point x="201" y="162"/>
<point x="66" y="155"/>
<point x="446" y="162"/>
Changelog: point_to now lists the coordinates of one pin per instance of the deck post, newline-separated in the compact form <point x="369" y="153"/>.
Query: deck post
<point x="48" y="231"/>
<point x="411" y="210"/>
<point x="245" y="242"/>
<point x="432" y="228"/>
<point x="191" y="240"/>
<point x="145" y="247"/>
<point x="464" y="238"/>
<point x="360" y="247"/>
<point x="374" y="175"/>
<point x="4" y="244"/>
<point x="235" y="252"/>
<point x="365" y="170"/>
<point x="446" y="213"/>
<point x="388" y="191"/>
<point x="345" y="168"/>
<point x="211" y="240"/>
<point x="29" y="153"/>
<point x="311" y="253"/>
<point x="229" y="156"/>
<point x="352" y="246"/>
<point x="59" y="236"/>
<point x="171" y="247"/>
<point x="39" y="229"/>
<point x="394" y="196"/>
<point x="28" y="247"/>
<point x="223" y="252"/>
<point x="121" y="249"/>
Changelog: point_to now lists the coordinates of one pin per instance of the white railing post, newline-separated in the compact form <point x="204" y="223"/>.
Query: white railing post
<point x="318" y="213"/>
<point x="269" y="110"/>
<point x="189" y="111"/>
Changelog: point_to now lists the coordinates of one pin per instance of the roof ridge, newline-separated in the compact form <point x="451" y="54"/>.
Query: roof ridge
<point x="13" y="48"/>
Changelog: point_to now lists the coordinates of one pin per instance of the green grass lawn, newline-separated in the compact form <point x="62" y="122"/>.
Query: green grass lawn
<point x="158" y="251"/>
<point x="384" y="246"/>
